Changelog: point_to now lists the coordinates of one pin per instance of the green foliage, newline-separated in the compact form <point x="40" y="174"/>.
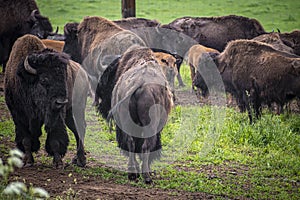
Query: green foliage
<point x="17" y="190"/>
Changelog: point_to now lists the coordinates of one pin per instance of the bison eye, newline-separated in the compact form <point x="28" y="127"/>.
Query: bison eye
<point x="44" y="81"/>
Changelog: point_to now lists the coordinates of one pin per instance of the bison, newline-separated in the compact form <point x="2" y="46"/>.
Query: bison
<point x="39" y="89"/>
<point x="292" y="40"/>
<point x="194" y="56"/>
<point x="20" y="18"/>
<point x="136" y="93"/>
<point x="216" y="32"/>
<point x="260" y="74"/>
<point x="71" y="41"/>
<point x="275" y="41"/>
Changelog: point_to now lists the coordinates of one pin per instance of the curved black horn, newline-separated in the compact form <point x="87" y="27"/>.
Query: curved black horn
<point x="28" y="68"/>
<point x="32" y="15"/>
<point x="53" y="33"/>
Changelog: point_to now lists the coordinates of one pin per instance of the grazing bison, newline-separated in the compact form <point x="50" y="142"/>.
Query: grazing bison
<point x="292" y="40"/>
<point x="132" y="23"/>
<point x="216" y="32"/>
<point x="17" y="19"/>
<point x="54" y="44"/>
<point x="100" y="41"/>
<point x="39" y="85"/>
<point x="260" y="74"/>
<point x="194" y="56"/>
<point x="137" y="94"/>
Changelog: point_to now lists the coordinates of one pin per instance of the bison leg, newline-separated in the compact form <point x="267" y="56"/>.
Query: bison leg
<point x="133" y="167"/>
<point x="28" y="158"/>
<point x="145" y="161"/>
<point x="78" y="128"/>
<point x="181" y="84"/>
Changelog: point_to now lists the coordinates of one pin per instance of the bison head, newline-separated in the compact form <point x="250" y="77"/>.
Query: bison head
<point x="71" y="46"/>
<point x="39" y="25"/>
<point x="45" y="74"/>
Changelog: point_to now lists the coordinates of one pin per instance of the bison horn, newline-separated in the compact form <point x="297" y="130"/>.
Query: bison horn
<point x="33" y="13"/>
<point x="28" y="68"/>
<point x="61" y="102"/>
<point x="55" y="33"/>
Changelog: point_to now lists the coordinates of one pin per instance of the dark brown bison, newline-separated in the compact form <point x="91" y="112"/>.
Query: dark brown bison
<point x="100" y="41"/>
<point x="275" y="41"/>
<point x="71" y="41"/>
<point x="137" y="94"/>
<point x="292" y="40"/>
<point x="260" y="74"/>
<point x="17" y="19"/>
<point x="216" y="32"/>
<point x="132" y="23"/>
<point x="39" y="89"/>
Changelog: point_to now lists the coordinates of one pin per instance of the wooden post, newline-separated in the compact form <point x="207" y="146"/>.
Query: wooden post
<point x="128" y="8"/>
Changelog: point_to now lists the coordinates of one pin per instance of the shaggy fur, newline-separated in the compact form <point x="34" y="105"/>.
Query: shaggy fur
<point x="34" y="100"/>
<point x="100" y="41"/>
<point x="292" y="40"/>
<point x="54" y="44"/>
<point x="275" y="41"/>
<point x="131" y="23"/>
<point x="132" y="79"/>
<point x="260" y="74"/>
<point x="215" y="32"/>
<point x="18" y="20"/>
<point x="194" y="56"/>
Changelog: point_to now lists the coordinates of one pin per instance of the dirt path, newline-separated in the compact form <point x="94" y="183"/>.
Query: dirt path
<point x="69" y="184"/>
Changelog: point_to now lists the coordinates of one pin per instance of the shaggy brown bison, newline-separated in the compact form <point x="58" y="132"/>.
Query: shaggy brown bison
<point x="275" y="41"/>
<point x="292" y="40"/>
<point x="100" y="41"/>
<point x="260" y="74"/>
<point x="216" y="32"/>
<point x="39" y="89"/>
<point x="136" y="92"/>
<point x="194" y="56"/>
<point x="17" y="19"/>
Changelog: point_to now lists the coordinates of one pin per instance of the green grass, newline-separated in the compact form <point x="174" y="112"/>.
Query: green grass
<point x="232" y="159"/>
<point x="283" y="15"/>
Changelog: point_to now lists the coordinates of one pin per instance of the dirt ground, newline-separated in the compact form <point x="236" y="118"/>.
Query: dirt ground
<point x="69" y="184"/>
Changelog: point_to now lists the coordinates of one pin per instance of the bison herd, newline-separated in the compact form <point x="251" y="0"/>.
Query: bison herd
<point x="129" y="67"/>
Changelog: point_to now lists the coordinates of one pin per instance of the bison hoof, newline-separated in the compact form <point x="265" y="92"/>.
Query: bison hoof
<point x="79" y="161"/>
<point x="57" y="162"/>
<point x="133" y="176"/>
<point x="28" y="160"/>
<point x="148" y="180"/>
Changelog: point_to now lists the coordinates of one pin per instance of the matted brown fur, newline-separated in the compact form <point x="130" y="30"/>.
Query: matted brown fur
<point x="267" y="74"/>
<point x="94" y="30"/>
<point x="194" y="55"/>
<point x="22" y="47"/>
<point x="54" y="44"/>
<point x="275" y="41"/>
